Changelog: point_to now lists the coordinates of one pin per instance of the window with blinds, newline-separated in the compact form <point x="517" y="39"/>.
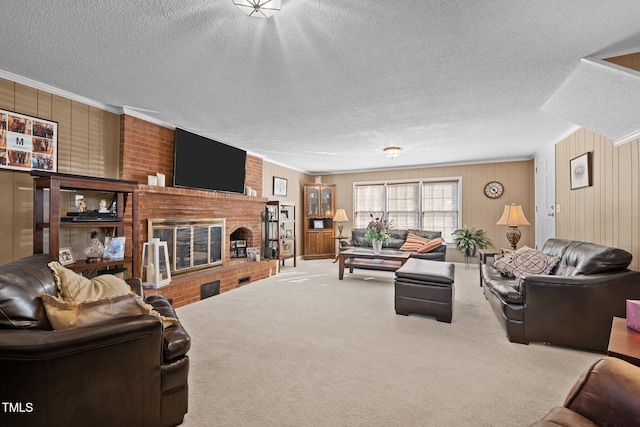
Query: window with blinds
<point x="432" y="205"/>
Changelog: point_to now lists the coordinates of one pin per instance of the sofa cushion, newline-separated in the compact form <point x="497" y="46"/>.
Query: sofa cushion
<point x="21" y="284"/>
<point x="66" y="314"/>
<point x="74" y="287"/>
<point x="525" y="261"/>
<point x="396" y="239"/>
<point x="357" y="237"/>
<point x="430" y="235"/>
<point x="589" y="258"/>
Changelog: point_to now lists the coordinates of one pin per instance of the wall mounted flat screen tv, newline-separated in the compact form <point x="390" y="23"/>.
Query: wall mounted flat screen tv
<point x="205" y="164"/>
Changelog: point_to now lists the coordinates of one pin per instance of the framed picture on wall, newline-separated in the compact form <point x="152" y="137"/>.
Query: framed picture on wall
<point x="580" y="169"/>
<point x="28" y="143"/>
<point x="279" y="186"/>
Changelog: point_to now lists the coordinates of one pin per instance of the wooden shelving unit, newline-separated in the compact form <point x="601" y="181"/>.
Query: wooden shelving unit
<point x="126" y="199"/>
<point x="280" y="231"/>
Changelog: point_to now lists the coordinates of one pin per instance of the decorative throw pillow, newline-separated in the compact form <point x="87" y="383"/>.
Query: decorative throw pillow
<point x="431" y="245"/>
<point x="65" y="314"/>
<point x="74" y="287"/>
<point x="413" y="243"/>
<point x="525" y="261"/>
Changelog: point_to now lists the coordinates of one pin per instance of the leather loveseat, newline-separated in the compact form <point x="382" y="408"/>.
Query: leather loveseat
<point x="606" y="394"/>
<point x="129" y="371"/>
<point x="398" y="238"/>
<point x="571" y="306"/>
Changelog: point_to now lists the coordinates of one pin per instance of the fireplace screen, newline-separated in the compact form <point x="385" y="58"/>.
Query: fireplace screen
<point x="192" y="244"/>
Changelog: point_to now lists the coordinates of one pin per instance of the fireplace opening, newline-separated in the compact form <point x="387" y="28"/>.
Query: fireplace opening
<point x="192" y="244"/>
<point x="240" y="240"/>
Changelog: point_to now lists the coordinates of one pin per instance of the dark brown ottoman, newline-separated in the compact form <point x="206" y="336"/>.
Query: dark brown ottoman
<point x="425" y="287"/>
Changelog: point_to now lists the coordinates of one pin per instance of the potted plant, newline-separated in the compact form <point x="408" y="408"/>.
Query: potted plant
<point x="468" y="240"/>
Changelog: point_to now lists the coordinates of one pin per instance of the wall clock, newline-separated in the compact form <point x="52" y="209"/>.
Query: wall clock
<point x="493" y="189"/>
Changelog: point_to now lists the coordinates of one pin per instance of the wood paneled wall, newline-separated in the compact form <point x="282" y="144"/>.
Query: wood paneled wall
<point x="478" y="211"/>
<point x="88" y="144"/>
<point x="607" y="212"/>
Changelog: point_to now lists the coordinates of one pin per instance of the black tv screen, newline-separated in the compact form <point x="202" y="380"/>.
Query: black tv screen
<point x="203" y="163"/>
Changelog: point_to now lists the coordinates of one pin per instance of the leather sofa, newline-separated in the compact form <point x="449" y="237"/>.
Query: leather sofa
<point x="574" y="305"/>
<point x="398" y="238"/>
<point x="128" y="371"/>
<point x="606" y="394"/>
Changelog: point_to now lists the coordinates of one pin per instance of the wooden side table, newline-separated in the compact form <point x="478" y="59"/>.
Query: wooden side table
<point x="624" y="342"/>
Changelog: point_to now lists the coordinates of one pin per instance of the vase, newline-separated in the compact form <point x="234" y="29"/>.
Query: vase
<point x="377" y="246"/>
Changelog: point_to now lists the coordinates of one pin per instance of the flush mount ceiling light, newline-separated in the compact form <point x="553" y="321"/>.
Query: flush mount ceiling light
<point x="392" y="152"/>
<point x="259" y="8"/>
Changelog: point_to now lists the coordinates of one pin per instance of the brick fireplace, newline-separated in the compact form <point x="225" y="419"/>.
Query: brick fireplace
<point x="147" y="148"/>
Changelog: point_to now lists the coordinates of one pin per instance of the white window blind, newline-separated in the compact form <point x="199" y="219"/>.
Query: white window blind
<point x="369" y="201"/>
<point x="440" y="205"/>
<point x="403" y="205"/>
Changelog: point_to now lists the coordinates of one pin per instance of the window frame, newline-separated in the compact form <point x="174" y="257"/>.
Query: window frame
<point x="420" y="181"/>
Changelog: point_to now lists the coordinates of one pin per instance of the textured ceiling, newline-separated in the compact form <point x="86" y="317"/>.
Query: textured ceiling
<point x="324" y="86"/>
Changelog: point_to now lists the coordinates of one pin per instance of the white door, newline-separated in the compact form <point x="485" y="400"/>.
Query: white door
<point x="545" y="167"/>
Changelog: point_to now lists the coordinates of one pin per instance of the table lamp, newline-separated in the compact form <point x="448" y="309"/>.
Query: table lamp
<point x="513" y="216"/>
<point x="341" y="216"/>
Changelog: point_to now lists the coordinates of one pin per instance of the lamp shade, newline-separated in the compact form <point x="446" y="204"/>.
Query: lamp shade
<point x="341" y="215"/>
<point x="259" y="8"/>
<point x="512" y="216"/>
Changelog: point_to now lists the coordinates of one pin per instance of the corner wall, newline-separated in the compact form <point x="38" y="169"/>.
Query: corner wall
<point x="606" y="213"/>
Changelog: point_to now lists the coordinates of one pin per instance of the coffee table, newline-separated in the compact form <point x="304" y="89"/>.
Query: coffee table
<point x="387" y="260"/>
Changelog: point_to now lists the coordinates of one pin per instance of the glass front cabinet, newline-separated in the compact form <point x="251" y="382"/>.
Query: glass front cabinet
<point x="318" y="228"/>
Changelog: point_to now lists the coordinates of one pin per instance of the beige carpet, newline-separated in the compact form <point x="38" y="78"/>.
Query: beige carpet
<point x="305" y="349"/>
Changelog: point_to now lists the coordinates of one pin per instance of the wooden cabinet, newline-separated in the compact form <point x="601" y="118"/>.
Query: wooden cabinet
<point x="318" y="227"/>
<point x="280" y="231"/>
<point x="52" y="214"/>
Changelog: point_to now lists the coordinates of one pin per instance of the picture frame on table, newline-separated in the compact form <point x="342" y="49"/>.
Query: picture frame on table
<point x="65" y="256"/>
<point x="241" y="252"/>
<point x="279" y="186"/>
<point x="580" y="170"/>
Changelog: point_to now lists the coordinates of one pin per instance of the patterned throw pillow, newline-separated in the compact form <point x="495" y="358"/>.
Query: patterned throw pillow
<point x="428" y="247"/>
<point x="414" y="243"/>
<point x="525" y="261"/>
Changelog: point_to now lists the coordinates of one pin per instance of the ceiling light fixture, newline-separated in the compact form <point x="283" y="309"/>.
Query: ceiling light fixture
<point x="259" y="8"/>
<point x="392" y="152"/>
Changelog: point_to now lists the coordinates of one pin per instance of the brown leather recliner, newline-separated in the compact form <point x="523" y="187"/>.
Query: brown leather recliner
<point x="606" y="394"/>
<point x="130" y="371"/>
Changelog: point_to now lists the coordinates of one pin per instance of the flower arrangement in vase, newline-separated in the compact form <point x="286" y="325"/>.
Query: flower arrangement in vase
<point x="377" y="232"/>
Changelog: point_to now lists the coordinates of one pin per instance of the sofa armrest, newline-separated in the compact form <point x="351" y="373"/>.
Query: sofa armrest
<point x="41" y="344"/>
<point x="576" y="311"/>
<point x="608" y="391"/>
<point x="136" y="286"/>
